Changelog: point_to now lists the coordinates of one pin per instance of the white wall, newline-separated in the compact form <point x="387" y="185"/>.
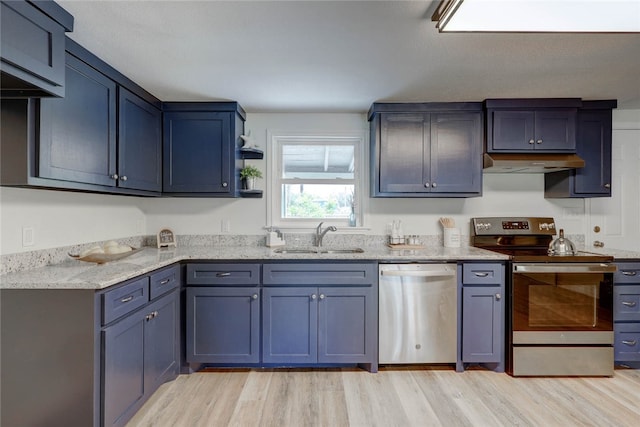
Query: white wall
<point x="61" y="218"/>
<point x="64" y="218"/>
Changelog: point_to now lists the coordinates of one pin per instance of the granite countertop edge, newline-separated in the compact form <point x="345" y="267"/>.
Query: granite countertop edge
<point x="74" y="274"/>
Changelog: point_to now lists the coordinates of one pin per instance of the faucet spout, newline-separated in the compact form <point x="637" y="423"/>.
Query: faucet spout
<point x="321" y="233"/>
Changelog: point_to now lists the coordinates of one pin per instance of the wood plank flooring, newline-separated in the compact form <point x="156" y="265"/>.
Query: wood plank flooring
<point x="392" y="397"/>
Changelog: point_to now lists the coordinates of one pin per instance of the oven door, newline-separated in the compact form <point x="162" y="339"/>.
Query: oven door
<point x="562" y="303"/>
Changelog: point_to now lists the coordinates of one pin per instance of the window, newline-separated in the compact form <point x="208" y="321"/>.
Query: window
<point x="316" y="178"/>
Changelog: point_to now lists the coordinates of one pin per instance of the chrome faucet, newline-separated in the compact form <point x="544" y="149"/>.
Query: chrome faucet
<point x="320" y="233"/>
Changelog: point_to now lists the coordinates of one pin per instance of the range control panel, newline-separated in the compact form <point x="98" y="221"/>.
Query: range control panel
<point x="512" y="226"/>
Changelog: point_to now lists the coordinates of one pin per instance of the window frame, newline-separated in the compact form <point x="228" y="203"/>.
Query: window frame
<point x="274" y="177"/>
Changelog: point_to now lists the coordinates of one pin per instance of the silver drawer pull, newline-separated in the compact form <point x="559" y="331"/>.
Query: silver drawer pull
<point x="165" y="281"/>
<point x="629" y="303"/>
<point x="481" y="274"/>
<point x="631" y="343"/>
<point x="223" y="274"/>
<point x="254" y="296"/>
<point x="629" y="272"/>
<point x="127" y="299"/>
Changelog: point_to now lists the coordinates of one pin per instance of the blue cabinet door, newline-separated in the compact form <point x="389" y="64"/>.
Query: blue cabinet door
<point x="555" y="130"/>
<point x="482" y="313"/>
<point x="433" y="154"/>
<point x="347" y="325"/>
<point x="32" y="50"/>
<point x="456" y="153"/>
<point x="78" y="132"/>
<point x="290" y="325"/>
<point x="139" y="143"/>
<point x="552" y="130"/>
<point x="161" y="341"/>
<point x="403" y="160"/>
<point x="512" y="130"/>
<point x="223" y="325"/>
<point x="198" y="153"/>
<point x="123" y="374"/>
<point x="594" y="146"/>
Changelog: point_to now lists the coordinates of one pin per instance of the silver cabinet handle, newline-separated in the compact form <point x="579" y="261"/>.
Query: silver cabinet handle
<point x="629" y="303"/>
<point x="114" y="176"/>
<point x="314" y="296"/>
<point x="481" y="273"/>
<point x="123" y="178"/>
<point x="631" y="343"/>
<point x="223" y="274"/>
<point x="127" y="299"/>
<point x="531" y="141"/>
<point x="434" y="185"/>
<point x="607" y="186"/>
<point x="148" y="317"/>
<point x="629" y="272"/>
<point x="225" y="184"/>
<point x="539" y="141"/>
<point x="254" y="296"/>
<point x="321" y="296"/>
<point x="155" y="313"/>
<point x="165" y="281"/>
<point x="498" y="297"/>
<point x="427" y="185"/>
<point x="598" y="244"/>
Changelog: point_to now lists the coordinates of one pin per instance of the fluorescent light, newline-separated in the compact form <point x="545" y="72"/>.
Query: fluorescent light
<point x="578" y="16"/>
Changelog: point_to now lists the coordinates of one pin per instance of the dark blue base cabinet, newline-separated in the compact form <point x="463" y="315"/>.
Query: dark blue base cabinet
<point x="482" y="336"/>
<point x="86" y="357"/>
<point x="626" y="314"/>
<point x="310" y="314"/>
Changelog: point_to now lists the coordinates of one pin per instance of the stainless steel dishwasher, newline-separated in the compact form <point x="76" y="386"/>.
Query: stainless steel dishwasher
<point x="417" y="313"/>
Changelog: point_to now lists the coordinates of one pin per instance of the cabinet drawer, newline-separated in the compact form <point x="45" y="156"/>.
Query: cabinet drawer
<point x="125" y="299"/>
<point x="627" y="342"/>
<point x="628" y="272"/>
<point x="482" y="274"/>
<point x="319" y="274"/>
<point x="223" y="274"/>
<point x="626" y="303"/>
<point x="163" y="281"/>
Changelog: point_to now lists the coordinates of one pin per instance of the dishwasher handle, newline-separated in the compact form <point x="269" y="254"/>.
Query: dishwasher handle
<point x="418" y="273"/>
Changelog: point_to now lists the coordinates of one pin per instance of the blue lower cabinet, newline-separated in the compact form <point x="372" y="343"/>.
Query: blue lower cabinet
<point x="347" y="331"/>
<point x="482" y="324"/>
<point x="290" y="325"/>
<point x="308" y="325"/>
<point x="140" y="353"/>
<point x="223" y="325"/>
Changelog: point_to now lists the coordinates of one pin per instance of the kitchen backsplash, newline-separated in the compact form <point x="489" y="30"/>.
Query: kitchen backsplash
<point x="28" y="260"/>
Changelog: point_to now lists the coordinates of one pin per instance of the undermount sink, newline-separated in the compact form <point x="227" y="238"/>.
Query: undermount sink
<point x="318" y="251"/>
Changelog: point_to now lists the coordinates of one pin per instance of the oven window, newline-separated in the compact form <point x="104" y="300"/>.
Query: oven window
<point x="562" y="301"/>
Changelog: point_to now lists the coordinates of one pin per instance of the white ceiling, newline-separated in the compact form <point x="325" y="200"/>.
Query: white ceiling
<point x="340" y="56"/>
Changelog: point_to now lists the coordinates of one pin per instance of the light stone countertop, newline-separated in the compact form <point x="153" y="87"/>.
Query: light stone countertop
<point x="73" y="274"/>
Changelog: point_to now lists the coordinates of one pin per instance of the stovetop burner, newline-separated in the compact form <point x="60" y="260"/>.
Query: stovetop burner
<point x="525" y="239"/>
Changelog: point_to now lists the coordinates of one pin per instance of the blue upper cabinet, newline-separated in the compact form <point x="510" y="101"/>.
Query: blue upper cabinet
<point x="594" y="146"/>
<point x="32" y="47"/>
<point x="426" y="150"/>
<point x="139" y="143"/>
<point x="105" y="135"/>
<point x="540" y="125"/>
<point x="200" y="148"/>
<point x="78" y="132"/>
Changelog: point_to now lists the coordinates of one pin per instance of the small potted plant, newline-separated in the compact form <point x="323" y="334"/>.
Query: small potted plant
<point x="249" y="174"/>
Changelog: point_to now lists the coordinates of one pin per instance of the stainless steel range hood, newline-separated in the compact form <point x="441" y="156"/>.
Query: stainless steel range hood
<point x="530" y="162"/>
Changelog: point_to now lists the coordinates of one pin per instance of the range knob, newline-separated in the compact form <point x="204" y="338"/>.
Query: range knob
<point x="483" y="225"/>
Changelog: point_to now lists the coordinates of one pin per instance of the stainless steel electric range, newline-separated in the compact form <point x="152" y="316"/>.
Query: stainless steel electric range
<point x="560" y="307"/>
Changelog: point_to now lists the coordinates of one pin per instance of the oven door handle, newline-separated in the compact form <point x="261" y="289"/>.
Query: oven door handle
<point x="581" y="267"/>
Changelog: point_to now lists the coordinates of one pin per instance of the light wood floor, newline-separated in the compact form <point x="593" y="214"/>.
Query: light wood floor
<point x="392" y="397"/>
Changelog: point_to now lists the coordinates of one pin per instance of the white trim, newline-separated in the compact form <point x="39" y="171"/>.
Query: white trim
<point x="274" y="169"/>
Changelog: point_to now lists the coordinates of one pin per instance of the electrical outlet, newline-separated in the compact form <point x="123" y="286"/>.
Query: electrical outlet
<point x="28" y="236"/>
<point x="226" y="226"/>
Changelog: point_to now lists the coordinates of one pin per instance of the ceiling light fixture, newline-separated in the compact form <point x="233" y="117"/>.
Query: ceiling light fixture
<point x="538" y="16"/>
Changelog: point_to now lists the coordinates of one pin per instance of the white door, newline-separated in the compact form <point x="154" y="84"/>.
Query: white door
<point x="615" y="221"/>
